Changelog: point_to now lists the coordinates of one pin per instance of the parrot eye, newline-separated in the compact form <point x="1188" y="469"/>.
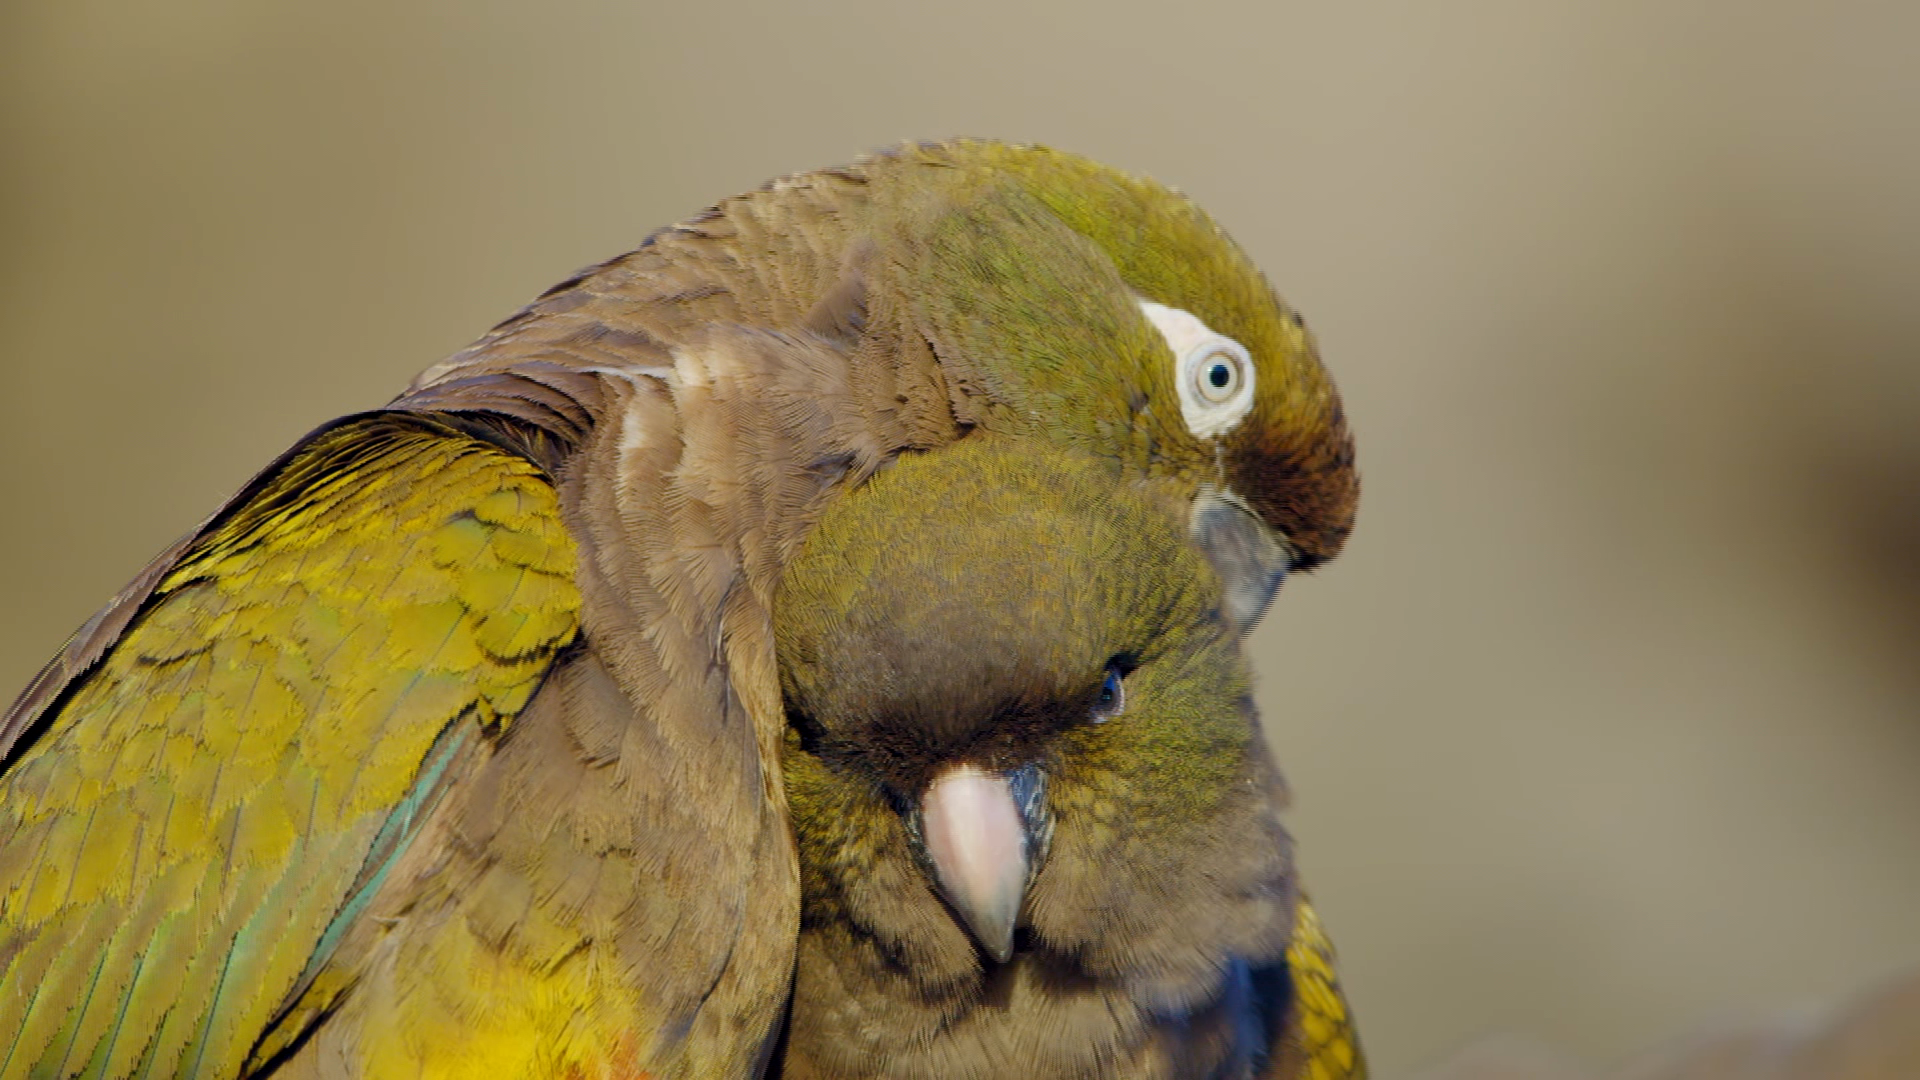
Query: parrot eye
<point x="1214" y="373"/>
<point x="1219" y="376"/>
<point x="1112" y="699"/>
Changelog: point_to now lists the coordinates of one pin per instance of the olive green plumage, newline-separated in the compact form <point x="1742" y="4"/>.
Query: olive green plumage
<point x="1028" y="263"/>
<point x="561" y="845"/>
<point x="962" y="610"/>
<point x="988" y="584"/>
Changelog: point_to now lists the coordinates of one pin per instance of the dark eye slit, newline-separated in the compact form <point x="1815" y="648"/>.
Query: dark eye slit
<point x="1111" y="699"/>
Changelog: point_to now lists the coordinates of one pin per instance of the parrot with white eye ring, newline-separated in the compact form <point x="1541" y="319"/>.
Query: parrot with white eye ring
<point x="450" y="746"/>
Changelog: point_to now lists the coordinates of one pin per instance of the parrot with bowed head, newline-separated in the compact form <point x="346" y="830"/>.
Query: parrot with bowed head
<point x="451" y="745"/>
<point x="1038" y="826"/>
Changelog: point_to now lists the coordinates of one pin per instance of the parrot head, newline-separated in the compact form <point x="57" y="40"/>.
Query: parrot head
<point x="1110" y="312"/>
<point x="1022" y="739"/>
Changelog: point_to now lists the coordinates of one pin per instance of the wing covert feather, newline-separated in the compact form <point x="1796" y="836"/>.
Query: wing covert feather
<point x="201" y="804"/>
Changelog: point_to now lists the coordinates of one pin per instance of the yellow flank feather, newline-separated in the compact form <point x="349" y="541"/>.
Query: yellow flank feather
<point x="468" y="1011"/>
<point x="1327" y="1045"/>
<point x="175" y="843"/>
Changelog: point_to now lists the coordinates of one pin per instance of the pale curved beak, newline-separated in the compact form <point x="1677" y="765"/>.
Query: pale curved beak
<point x="977" y="841"/>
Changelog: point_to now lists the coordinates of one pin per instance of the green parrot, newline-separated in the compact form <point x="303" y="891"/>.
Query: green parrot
<point x="1038" y="826"/>
<point x="450" y="746"/>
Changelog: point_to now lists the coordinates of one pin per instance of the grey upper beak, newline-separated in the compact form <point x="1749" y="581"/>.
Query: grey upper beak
<point x="1250" y="558"/>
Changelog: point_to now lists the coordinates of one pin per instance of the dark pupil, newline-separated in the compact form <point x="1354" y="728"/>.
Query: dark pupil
<point x="1218" y="375"/>
<point x="1109" y="690"/>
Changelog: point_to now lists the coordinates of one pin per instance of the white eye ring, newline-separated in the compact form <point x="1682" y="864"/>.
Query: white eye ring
<point x="1213" y="372"/>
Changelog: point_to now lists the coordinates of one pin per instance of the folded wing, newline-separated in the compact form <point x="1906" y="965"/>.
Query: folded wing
<point x="186" y="826"/>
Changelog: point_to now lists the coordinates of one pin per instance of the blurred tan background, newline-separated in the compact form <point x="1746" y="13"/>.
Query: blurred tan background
<point x="1607" y="723"/>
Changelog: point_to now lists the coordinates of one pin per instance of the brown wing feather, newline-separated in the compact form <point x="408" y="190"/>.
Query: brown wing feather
<point x="620" y="874"/>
